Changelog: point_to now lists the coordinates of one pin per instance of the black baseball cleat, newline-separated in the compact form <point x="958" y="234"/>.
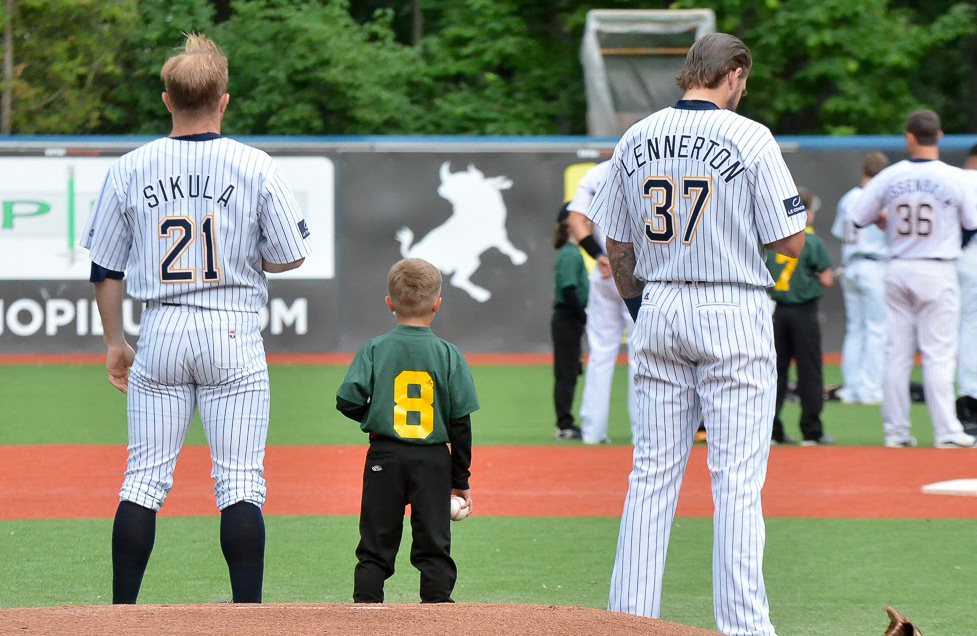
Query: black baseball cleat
<point x="783" y="441"/>
<point x="824" y="440"/>
<point x="967" y="410"/>
<point x="568" y="434"/>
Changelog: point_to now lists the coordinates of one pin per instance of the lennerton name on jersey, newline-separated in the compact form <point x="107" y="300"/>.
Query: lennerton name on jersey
<point x="197" y="187"/>
<point x="691" y="147"/>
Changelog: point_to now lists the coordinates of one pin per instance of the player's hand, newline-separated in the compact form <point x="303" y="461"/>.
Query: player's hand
<point x="466" y="495"/>
<point x="117" y="362"/>
<point x="604" y="266"/>
<point x="883" y="220"/>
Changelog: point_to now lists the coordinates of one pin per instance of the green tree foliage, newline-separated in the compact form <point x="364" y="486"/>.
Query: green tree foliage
<point x="309" y="68"/>
<point x="481" y="67"/>
<point x="840" y="67"/>
<point x="487" y="70"/>
<point x="134" y="105"/>
<point x="65" y="62"/>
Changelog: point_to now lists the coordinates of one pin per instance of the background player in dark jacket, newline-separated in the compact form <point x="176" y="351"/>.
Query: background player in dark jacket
<point x="414" y="394"/>
<point x="567" y="326"/>
<point x="798" y="284"/>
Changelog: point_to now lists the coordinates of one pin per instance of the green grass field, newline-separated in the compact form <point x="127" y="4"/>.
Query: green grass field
<point x="823" y="576"/>
<point x="76" y="405"/>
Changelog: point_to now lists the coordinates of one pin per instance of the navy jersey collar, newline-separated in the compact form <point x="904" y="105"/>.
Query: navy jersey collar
<point x="919" y="160"/>
<point x="207" y="136"/>
<point x="695" y="104"/>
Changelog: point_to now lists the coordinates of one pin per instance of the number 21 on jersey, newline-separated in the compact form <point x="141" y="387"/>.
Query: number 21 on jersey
<point x="422" y="405"/>
<point x="181" y="229"/>
<point x="661" y="190"/>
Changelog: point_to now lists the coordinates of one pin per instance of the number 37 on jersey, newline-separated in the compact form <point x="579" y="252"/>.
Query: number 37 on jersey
<point x="690" y="195"/>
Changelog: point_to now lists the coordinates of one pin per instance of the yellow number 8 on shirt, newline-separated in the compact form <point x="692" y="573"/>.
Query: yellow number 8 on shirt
<point x="423" y="405"/>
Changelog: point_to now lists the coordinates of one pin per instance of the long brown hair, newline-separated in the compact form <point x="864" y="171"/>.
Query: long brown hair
<point x="711" y="58"/>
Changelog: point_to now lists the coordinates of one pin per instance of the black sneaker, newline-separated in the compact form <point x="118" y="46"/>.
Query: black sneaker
<point x="824" y="440"/>
<point x="568" y="434"/>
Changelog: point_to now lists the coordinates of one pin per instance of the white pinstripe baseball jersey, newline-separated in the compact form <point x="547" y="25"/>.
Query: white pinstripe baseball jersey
<point x="670" y="173"/>
<point x="927" y="201"/>
<point x="584" y="196"/>
<point x="867" y="241"/>
<point x="190" y="219"/>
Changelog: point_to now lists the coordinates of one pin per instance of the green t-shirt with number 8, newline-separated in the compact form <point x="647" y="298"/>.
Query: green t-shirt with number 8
<point x="414" y="382"/>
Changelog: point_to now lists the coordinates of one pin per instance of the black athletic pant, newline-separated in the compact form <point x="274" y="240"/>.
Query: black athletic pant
<point x="567" y="330"/>
<point x="397" y="474"/>
<point x="797" y="336"/>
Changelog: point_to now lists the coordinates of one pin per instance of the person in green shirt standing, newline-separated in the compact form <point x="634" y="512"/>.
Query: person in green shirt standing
<point x="572" y="286"/>
<point x="797" y="333"/>
<point x="414" y="394"/>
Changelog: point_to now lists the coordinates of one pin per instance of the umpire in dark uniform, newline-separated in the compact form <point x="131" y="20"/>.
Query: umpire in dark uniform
<point x="798" y="284"/>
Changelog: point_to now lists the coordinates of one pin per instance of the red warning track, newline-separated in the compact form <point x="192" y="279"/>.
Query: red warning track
<point x="73" y="482"/>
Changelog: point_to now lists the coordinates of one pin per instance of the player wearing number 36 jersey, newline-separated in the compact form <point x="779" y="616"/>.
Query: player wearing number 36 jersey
<point x="692" y="195"/>
<point x="924" y="202"/>
<point x="192" y="221"/>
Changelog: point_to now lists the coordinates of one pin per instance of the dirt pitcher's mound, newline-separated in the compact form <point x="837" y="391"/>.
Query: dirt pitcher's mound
<point x="345" y="620"/>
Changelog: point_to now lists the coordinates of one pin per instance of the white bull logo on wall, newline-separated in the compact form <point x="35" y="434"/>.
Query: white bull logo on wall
<point x="476" y="224"/>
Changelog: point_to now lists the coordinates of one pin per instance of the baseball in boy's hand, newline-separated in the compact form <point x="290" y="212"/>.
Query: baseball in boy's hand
<point x="459" y="509"/>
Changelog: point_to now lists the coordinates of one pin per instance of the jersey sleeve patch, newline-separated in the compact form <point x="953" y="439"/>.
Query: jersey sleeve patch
<point x="793" y="205"/>
<point x="303" y="229"/>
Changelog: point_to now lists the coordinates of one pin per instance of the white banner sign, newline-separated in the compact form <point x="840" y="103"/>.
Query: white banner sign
<point x="45" y="203"/>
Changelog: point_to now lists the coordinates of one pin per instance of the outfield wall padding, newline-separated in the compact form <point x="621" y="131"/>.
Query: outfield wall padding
<point x="457" y="197"/>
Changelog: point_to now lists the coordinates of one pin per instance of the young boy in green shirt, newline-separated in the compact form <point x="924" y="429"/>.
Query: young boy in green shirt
<point x="798" y="284"/>
<point x="414" y="394"/>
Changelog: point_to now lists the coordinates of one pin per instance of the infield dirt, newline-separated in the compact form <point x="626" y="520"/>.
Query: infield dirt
<point x="345" y="620"/>
<point x="77" y="482"/>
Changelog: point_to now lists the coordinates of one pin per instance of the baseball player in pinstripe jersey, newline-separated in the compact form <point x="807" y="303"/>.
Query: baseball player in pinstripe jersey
<point x="607" y="317"/>
<point x="923" y="203"/>
<point x="693" y="194"/>
<point x="192" y="221"/>
<point x="864" y="256"/>
<point x="967" y="355"/>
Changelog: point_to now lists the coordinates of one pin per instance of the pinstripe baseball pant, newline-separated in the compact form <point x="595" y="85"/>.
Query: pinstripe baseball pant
<point x="701" y="349"/>
<point x="190" y="358"/>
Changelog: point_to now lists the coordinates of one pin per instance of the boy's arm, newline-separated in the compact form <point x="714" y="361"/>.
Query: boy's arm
<point x="354" y="395"/>
<point x="460" y="436"/>
<point x="353" y="411"/>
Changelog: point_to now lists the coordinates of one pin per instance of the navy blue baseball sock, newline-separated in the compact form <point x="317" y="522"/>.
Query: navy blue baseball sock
<point x="243" y="544"/>
<point x="133" y="535"/>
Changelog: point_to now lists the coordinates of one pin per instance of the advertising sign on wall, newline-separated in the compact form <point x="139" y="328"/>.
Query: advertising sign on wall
<point x="46" y="304"/>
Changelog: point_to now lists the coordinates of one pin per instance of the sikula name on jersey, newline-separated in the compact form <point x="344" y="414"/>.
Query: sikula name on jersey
<point x="683" y="147"/>
<point x="926" y="186"/>
<point x="197" y="187"/>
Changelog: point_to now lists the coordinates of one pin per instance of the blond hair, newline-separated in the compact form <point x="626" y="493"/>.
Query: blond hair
<point x="413" y="285"/>
<point x="711" y="58"/>
<point x="196" y="78"/>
